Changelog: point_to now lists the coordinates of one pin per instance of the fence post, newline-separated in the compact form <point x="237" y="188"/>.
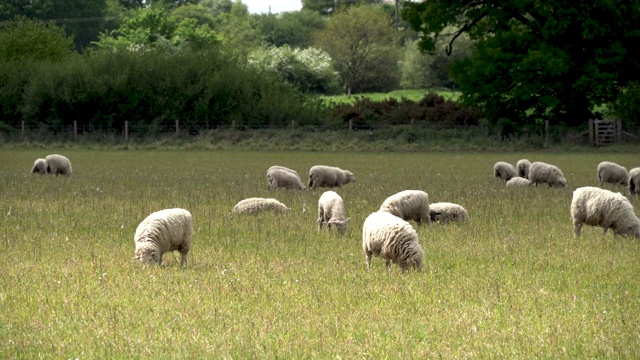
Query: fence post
<point x="75" y="130"/>
<point x="592" y="133"/>
<point x="126" y="130"/>
<point x="22" y="130"/>
<point x="350" y="124"/>
<point x="177" y="127"/>
<point x="618" y="130"/>
<point x="546" y="133"/>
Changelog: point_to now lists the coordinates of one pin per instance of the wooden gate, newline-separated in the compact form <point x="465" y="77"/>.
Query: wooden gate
<point x="605" y="132"/>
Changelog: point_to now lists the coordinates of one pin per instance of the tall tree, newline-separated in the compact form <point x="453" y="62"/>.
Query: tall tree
<point x="362" y="44"/>
<point x="326" y="7"/>
<point x="536" y="60"/>
<point x="291" y="28"/>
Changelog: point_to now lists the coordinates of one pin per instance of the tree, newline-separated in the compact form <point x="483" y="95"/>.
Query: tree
<point x="553" y="60"/>
<point x="22" y="39"/>
<point x="290" y="28"/>
<point x="326" y="7"/>
<point x="361" y="42"/>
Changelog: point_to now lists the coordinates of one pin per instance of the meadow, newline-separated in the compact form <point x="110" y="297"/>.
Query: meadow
<point x="513" y="282"/>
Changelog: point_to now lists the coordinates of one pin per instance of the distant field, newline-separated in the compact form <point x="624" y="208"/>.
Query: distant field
<point x="511" y="283"/>
<point x="415" y="95"/>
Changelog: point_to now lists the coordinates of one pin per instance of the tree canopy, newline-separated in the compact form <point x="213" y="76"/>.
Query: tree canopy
<point x="554" y="60"/>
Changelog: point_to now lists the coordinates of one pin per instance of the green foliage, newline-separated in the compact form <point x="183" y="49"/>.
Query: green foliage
<point x="290" y="28"/>
<point x="556" y="61"/>
<point x="627" y="105"/>
<point x="22" y="39"/>
<point x="512" y="282"/>
<point x="155" y="28"/>
<point x="309" y="69"/>
<point x="360" y="40"/>
<point x="329" y="7"/>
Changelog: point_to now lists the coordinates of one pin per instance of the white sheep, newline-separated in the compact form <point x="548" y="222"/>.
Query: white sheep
<point x="444" y="212"/>
<point x="283" y="168"/>
<point x="610" y="172"/>
<point x="518" y="181"/>
<point x="504" y="171"/>
<point x="600" y="207"/>
<point x="522" y="168"/>
<point x="331" y="211"/>
<point x="256" y="205"/>
<point x="329" y="176"/>
<point x="392" y="239"/>
<point x="164" y="231"/>
<point x="543" y="173"/>
<point x="278" y="177"/>
<point x="634" y="181"/>
<point x="58" y="165"/>
<point x="39" y="167"/>
<point x="408" y="205"/>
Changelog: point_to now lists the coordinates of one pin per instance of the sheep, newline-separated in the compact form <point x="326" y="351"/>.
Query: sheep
<point x="58" y="165"/>
<point x="256" y="205"/>
<point x="278" y="177"/>
<point x="522" y="168"/>
<point x="164" y="231"/>
<point x="600" y="207"/>
<point x="518" y="181"/>
<point x="392" y="239"/>
<point x="609" y="172"/>
<point x="283" y="168"/>
<point x="328" y="176"/>
<point x="444" y="212"/>
<point x="504" y="171"/>
<point x="39" y="167"/>
<point x="543" y="173"/>
<point x="408" y="205"/>
<point x="634" y="180"/>
<point x="331" y="211"/>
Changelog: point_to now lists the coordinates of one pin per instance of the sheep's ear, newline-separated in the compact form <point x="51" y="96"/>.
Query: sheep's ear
<point x="347" y="220"/>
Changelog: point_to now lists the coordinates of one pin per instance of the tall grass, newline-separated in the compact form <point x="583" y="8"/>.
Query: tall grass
<point x="412" y="94"/>
<point x="511" y="283"/>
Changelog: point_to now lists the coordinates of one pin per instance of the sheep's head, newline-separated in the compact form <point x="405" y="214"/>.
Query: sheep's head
<point x="340" y="224"/>
<point x="146" y="255"/>
<point x="350" y="176"/>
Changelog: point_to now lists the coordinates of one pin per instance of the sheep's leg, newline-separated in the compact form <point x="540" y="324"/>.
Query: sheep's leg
<point x="183" y="261"/>
<point x="388" y="264"/>
<point x="369" y="253"/>
<point x="576" y="229"/>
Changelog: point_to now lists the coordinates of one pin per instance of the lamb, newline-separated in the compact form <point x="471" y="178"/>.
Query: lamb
<point x="504" y="171"/>
<point x="634" y="180"/>
<point x="392" y="239"/>
<point x="164" y="231"/>
<point x="609" y="172"/>
<point x="600" y="207"/>
<point x="522" y="168"/>
<point x="39" y="167"/>
<point x="278" y="177"/>
<point x="408" y="205"/>
<point x="58" y="165"/>
<point x="543" y="173"/>
<point x="328" y="176"/>
<point x="444" y="212"/>
<point x="256" y="205"/>
<point x="331" y="211"/>
<point x="518" y="181"/>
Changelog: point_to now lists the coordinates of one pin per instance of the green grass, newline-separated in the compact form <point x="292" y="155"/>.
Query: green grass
<point x="511" y="283"/>
<point x="414" y="95"/>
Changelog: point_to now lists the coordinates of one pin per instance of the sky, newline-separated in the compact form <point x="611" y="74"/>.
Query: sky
<point x="277" y="6"/>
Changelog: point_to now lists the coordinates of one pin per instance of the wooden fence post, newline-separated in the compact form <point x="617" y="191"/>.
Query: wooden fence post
<point x="592" y="133"/>
<point x="22" y="130"/>
<point x="350" y="124"/>
<point x="618" y="130"/>
<point x="126" y="130"/>
<point x="177" y="127"/>
<point x="75" y="130"/>
<point x="546" y="133"/>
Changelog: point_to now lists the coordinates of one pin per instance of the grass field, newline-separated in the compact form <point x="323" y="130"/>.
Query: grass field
<point x="511" y="283"/>
<point x="414" y="95"/>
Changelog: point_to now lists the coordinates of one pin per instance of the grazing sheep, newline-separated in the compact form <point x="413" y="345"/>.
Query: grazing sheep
<point x="164" y="231"/>
<point x="600" y="207"/>
<point x="444" y="212"/>
<point x="331" y="211"/>
<point x="284" y="179"/>
<point x="58" y="165"/>
<point x="609" y="172"/>
<point x="522" y="168"/>
<point x="408" y="205"/>
<point x="39" y="167"/>
<point x="634" y="181"/>
<point x="328" y="176"/>
<point x="283" y="168"/>
<point x="392" y="239"/>
<point x="504" y="171"/>
<point x="543" y="173"/>
<point x="518" y="181"/>
<point x="256" y="205"/>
